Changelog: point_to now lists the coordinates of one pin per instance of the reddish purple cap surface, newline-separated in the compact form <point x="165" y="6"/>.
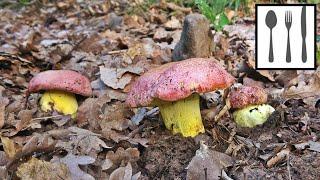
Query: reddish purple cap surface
<point x="64" y="80"/>
<point x="178" y="80"/>
<point x="246" y="95"/>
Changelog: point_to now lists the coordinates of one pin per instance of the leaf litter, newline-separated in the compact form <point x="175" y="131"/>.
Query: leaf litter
<point x="112" y="47"/>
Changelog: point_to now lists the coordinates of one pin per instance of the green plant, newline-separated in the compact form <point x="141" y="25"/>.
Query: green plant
<point x="15" y="4"/>
<point x="214" y="11"/>
<point x="185" y="3"/>
<point x="24" y="2"/>
<point x="318" y="56"/>
<point x="237" y="4"/>
<point x="313" y="1"/>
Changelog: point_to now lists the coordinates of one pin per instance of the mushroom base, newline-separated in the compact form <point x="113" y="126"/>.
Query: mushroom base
<point x="253" y="115"/>
<point x="182" y="116"/>
<point x="60" y="101"/>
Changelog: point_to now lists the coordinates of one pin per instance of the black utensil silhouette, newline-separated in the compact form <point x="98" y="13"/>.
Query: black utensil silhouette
<point x="271" y="22"/>
<point x="303" y="34"/>
<point x="288" y="22"/>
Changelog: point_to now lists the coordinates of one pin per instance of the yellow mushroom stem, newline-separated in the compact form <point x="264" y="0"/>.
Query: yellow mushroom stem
<point x="182" y="116"/>
<point x="60" y="101"/>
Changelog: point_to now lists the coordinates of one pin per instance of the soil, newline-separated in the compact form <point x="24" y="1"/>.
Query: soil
<point x="168" y="156"/>
<point x="89" y="38"/>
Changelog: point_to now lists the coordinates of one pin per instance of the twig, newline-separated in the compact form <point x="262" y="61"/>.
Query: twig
<point x="178" y="8"/>
<point x="47" y="117"/>
<point x="117" y="51"/>
<point x="223" y="111"/>
<point x="278" y="157"/>
<point x="288" y="167"/>
<point x="168" y="5"/>
<point x="205" y="174"/>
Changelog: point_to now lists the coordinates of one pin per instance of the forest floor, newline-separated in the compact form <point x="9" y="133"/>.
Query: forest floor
<point x="112" y="43"/>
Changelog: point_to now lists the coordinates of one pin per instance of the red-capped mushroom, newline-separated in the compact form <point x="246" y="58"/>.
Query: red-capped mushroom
<point x="60" y="87"/>
<point x="250" y="106"/>
<point x="175" y="88"/>
<point x="243" y="96"/>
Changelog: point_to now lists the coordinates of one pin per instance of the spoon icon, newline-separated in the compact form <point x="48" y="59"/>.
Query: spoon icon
<point x="271" y="22"/>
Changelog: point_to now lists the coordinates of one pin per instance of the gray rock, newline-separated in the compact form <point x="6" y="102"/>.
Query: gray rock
<point x="196" y="39"/>
<point x="114" y="21"/>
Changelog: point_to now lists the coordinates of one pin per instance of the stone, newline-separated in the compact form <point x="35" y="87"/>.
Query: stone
<point x="196" y="39"/>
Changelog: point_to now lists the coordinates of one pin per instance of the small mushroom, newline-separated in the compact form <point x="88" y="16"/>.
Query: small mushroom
<point x="60" y="88"/>
<point x="250" y="104"/>
<point x="175" y="87"/>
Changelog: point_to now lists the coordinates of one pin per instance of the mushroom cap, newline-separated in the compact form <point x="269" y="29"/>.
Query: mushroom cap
<point x="64" y="80"/>
<point x="243" y="96"/>
<point x="178" y="80"/>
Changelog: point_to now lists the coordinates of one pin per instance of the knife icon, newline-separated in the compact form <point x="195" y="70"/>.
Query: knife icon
<point x="303" y="34"/>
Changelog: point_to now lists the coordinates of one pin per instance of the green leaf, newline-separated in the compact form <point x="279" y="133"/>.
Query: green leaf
<point x="223" y="20"/>
<point x="318" y="56"/>
<point x="206" y="10"/>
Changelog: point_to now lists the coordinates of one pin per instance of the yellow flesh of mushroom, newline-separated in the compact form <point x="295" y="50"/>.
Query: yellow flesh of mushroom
<point x="60" y="101"/>
<point x="182" y="116"/>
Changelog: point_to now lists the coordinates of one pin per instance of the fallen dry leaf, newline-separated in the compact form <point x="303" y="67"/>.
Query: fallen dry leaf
<point x="307" y="87"/>
<point x="38" y="142"/>
<point x="207" y="163"/>
<point x="10" y="147"/>
<point x="3" y="158"/>
<point x="73" y="162"/>
<point x="36" y="169"/>
<point x="120" y="157"/>
<point x="90" y="111"/>
<point x="83" y="141"/>
<point x="115" y="116"/>
<point x="173" y="24"/>
<point x="3" y="103"/>
<point x="122" y="173"/>
<point x="243" y="31"/>
<point x="287" y="78"/>
<point x="161" y="35"/>
<point x="25" y="117"/>
<point x="143" y="113"/>
<point x="310" y="145"/>
<point x="266" y="73"/>
<point x="118" y="78"/>
<point x="4" y="172"/>
<point x="136" y="49"/>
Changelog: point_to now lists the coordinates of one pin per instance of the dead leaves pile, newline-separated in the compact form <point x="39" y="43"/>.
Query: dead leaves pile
<point x="96" y="39"/>
<point x="105" y="47"/>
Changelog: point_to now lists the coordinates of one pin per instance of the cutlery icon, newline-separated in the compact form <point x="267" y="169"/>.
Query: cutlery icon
<point x="271" y="22"/>
<point x="303" y="34"/>
<point x="288" y="22"/>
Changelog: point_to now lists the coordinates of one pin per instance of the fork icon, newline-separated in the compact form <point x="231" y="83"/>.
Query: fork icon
<point x="288" y="22"/>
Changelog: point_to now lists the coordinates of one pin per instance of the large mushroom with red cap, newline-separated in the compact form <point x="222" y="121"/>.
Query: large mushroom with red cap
<point x="250" y="105"/>
<point x="175" y="87"/>
<point x="60" y="87"/>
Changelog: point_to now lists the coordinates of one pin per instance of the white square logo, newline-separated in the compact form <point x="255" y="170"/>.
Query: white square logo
<point x="285" y="36"/>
